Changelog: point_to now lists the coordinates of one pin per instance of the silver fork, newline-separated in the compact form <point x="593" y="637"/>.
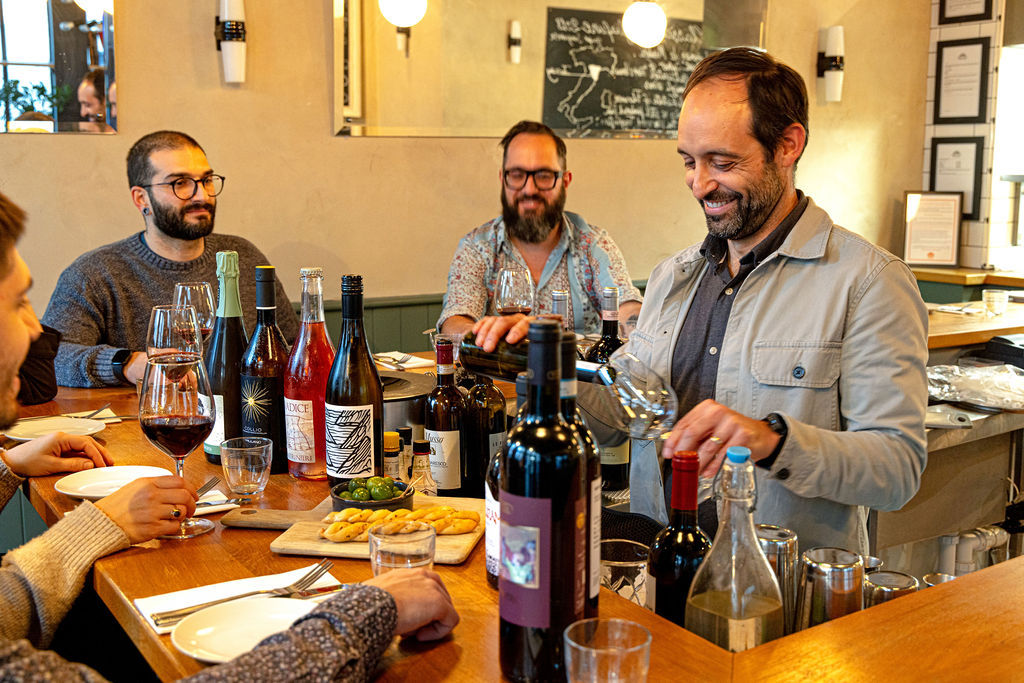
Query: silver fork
<point x="208" y="486"/>
<point x="172" y="617"/>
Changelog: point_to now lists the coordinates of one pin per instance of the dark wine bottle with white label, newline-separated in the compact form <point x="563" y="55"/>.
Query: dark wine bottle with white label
<point x="223" y="358"/>
<point x="486" y="440"/>
<point x="609" y="341"/>
<point x="543" y="582"/>
<point x="444" y="426"/>
<point x="354" y="404"/>
<point x="264" y="365"/>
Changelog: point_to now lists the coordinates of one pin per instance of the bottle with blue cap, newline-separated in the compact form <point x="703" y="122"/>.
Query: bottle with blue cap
<point x="734" y="600"/>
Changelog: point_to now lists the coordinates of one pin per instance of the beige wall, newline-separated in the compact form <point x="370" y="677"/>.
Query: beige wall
<point x="393" y="209"/>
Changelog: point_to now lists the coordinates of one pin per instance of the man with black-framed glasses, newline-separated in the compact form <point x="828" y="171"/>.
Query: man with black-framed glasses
<point x="102" y="301"/>
<point x="560" y="250"/>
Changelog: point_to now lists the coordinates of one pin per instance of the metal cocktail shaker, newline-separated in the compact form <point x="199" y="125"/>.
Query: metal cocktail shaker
<point x="831" y="585"/>
<point x="780" y="546"/>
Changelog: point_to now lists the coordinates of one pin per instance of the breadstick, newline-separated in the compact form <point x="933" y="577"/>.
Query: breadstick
<point x="457" y="526"/>
<point x="378" y="516"/>
<point x="466" y="514"/>
<point x="437" y="513"/>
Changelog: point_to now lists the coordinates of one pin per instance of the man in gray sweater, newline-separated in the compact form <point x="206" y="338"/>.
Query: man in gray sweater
<point x="102" y="301"/>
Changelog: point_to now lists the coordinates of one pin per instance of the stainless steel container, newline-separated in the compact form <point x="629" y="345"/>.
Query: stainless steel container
<point x="405" y="394"/>
<point x="780" y="546"/>
<point x="831" y="586"/>
<point x="883" y="586"/>
<point x="871" y="564"/>
<point x="935" y="579"/>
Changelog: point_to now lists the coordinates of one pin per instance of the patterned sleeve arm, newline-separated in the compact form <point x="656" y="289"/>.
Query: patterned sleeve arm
<point x="342" y="639"/>
<point x="467" y="292"/>
<point x="610" y="268"/>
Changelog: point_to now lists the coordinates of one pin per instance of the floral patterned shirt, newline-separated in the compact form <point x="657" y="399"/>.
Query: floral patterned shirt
<point x="584" y="261"/>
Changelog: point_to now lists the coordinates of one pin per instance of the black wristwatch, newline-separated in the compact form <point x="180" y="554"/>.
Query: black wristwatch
<point x="117" y="363"/>
<point x="777" y="425"/>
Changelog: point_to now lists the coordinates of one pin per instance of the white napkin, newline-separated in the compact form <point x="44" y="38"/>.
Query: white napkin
<point x="215" y="591"/>
<point x="214" y="496"/>
<point x="107" y="416"/>
<point x="414" y="362"/>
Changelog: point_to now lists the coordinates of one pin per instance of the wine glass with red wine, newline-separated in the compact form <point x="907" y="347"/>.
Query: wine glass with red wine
<point x="514" y="293"/>
<point x="173" y="417"/>
<point x="198" y="295"/>
<point x="173" y="329"/>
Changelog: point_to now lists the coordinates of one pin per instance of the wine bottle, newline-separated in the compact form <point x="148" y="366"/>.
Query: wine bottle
<point x="592" y="460"/>
<point x="263" y="369"/>
<point x="492" y="519"/>
<point x="392" y="455"/>
<point x="223" y="359"/>
<point x="354" y="403"/>
<point x="560" y="309"/>
<point x="421" y="473"/>
<point x="609" y="341"/>
<point x="305" y="384"/>
<point x="485" y="431"/>
<point x="543" y="581"/>
<point x="679" y="548"/>
<point x="508" y="360"/>
<point x="444" y="426"/>
<point x="615" y="466"/>
<point x="734" y="600"/>
<point x="405" y="466"/>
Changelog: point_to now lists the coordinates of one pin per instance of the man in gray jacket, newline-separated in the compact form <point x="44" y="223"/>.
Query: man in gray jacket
<point x="781" y="332"/>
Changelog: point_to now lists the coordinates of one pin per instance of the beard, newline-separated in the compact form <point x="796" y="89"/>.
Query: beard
<point x="9" y="408"/>
<point x="751" y="211"/>
<point x="171" y="221"/>
<point x="532" y="228"/>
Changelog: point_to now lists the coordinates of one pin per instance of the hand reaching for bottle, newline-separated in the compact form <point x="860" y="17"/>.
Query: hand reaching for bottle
<point x="489" y="330"/>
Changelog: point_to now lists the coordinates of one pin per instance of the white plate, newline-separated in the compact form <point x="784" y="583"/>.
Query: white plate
<point x="222" y="632"/>
<point x="33" y="429"/>
<point x="102" y="481"/>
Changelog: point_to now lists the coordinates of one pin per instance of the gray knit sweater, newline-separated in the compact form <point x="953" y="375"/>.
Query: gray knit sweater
<point x="102" y="301"/>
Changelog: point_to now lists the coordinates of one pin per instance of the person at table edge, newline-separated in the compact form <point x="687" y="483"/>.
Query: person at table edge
<point x="342" y="638"/>
<point x="781" y="331"/>
<point x="534" y="232"/>
<point x="102" y="301"/>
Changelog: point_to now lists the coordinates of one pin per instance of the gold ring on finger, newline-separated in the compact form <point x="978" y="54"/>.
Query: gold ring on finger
<point x="175" y="512"/>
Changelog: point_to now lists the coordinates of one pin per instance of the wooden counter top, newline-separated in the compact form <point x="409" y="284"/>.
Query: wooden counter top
<point x="954" y="329"/>
<point x="969" y="276"/>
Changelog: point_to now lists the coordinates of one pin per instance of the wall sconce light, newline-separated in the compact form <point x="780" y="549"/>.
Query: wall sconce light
<point x="229" y="31"/>
<point x="830" y="62"/>
<point x="644" y="23"/>
<point x="94" y="9"/>
<point x="404" y="14"/>
<point x="515" y="41"/>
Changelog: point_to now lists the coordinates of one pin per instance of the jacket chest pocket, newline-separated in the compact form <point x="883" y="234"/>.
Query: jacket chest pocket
<point x="797" y="378"/>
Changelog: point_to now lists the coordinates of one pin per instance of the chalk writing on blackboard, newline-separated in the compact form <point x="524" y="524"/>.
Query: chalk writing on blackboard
<point x="598" y="83"/>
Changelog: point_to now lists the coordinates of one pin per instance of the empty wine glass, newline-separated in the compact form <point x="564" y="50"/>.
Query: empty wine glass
<point x="173" y="329"/>
<point x="198" y="295"/>
<point x="514" y="293"/>
<point x="173" y="416"/>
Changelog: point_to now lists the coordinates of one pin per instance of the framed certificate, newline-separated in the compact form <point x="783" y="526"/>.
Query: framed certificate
<point x="959" y="11"/>
<point x="961" y="83"/>
<point x="932" y="233"/>
<point x="956" y="167"/>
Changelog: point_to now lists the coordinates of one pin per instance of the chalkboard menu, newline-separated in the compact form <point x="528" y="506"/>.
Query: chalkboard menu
<point x="598" y="83"/>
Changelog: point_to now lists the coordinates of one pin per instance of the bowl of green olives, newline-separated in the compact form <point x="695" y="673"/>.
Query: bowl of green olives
<point x="374" y="493"/>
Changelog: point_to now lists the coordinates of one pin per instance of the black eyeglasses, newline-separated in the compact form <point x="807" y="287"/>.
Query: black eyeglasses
<point x="186" y="188"/>
<point x="543" y="178"/>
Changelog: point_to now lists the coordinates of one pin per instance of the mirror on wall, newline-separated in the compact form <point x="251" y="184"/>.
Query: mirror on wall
<point x="472" y="68"/>
<point x="58" y="69"/>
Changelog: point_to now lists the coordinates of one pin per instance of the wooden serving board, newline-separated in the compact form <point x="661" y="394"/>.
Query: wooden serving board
<point x="256" y="518"/>
<point x="303" y="538"/>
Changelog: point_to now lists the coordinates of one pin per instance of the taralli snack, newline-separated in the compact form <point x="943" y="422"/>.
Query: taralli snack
<point x="351" y="524"/>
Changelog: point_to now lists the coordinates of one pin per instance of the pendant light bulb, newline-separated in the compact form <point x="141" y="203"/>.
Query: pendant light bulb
<point x="96" y="7"/>
<point x="403" y="13"/>
<point x="644" y="23"/>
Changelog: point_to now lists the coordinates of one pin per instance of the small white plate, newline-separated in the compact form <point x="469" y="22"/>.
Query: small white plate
<point x="222" y="632"/>
<point x="33" y="429"/>
<point x="102" y="481"/>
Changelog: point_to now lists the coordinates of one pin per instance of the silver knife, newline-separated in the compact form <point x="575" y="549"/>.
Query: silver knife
<point x="229" y="501"/>
<point x="316" y="592"/>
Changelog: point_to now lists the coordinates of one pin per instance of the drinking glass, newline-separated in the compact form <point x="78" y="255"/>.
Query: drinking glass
<point x="598" y="650"/>
<point x="401" y="546"/>
<point x="245" y="461"/>
<point x="198" y="295"/>
<point x="174" y="418"/>
<point x="514" y="293"/>
<point x="624" y="569"/>
<point x="173" y="329"/>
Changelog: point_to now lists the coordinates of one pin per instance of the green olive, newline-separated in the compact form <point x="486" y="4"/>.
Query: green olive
<point x="361" y="494"/>
<point x="345" y="495"/>
<point x="381" y="491"/>
<point x="358" y="483"/>
<point x="374" y="481"/>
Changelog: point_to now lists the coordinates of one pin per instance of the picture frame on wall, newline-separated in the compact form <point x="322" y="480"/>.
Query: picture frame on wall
<point x="961" y="81"/>
<point x="961" y="11"/>
<point x="956" y="166"/>
<point x="932" y="228"/>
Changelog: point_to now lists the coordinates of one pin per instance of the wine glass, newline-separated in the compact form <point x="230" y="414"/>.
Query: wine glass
<point x="173" y="329"/>
<point x="173" y="416"/>
<point x="514" y="293"/>
<point x="198" y="295"/>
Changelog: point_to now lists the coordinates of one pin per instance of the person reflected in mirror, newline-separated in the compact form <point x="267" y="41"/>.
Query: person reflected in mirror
<point x="92" y="106"/>
<point x="781" y="331"/>
<point x="102" y="301"/>
<point x="112" y="103"/>
<point x="535" y="232"/>
<point x="340" y="639"/>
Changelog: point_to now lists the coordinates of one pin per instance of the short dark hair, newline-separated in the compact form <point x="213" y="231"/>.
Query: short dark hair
<point x="97" y="78"/>
<point x="533" y="128"/>
<point x="140" y="171"/>
<point x="12" y="225"/>
<point x="776" y="93"/>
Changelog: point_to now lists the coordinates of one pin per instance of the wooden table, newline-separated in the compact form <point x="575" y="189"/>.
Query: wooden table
<point x="953" y="329"/>
<point x="975" y="623"/>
